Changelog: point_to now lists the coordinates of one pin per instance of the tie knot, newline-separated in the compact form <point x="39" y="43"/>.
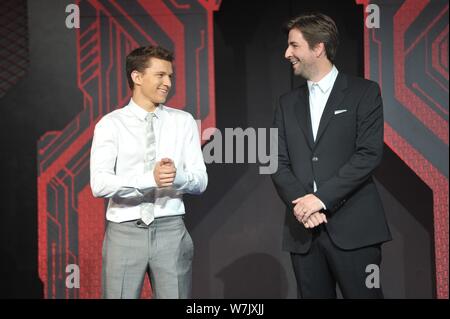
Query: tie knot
<point x="149" y="116"/>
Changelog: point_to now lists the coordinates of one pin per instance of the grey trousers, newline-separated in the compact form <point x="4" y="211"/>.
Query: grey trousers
<point x="164" y="250"/>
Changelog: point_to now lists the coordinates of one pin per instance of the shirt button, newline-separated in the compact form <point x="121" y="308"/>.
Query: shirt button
<point x="315" y="159"/>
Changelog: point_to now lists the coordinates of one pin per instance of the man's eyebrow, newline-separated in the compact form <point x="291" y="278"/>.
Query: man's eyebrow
<point x="163" y="73"/>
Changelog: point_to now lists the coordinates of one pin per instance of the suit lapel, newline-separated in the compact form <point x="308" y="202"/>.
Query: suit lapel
<point x="303" y="115"/>
<point x="335" y="98"/>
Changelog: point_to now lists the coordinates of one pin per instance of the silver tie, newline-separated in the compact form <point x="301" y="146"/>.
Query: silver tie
<point x="147" y="209"/>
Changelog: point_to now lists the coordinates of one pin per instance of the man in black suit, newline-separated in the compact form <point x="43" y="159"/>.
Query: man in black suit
<point x="330" y="140"/>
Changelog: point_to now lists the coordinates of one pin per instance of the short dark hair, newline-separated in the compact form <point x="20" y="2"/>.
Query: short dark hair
<point x="316" y="28"/>
<point x="138" y="59"/>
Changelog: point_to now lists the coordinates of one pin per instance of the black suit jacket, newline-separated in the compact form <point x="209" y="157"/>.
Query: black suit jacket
<point x="347" y="149"/>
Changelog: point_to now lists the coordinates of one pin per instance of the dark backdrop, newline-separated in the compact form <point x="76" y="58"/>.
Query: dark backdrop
<point x="236" y="224"/>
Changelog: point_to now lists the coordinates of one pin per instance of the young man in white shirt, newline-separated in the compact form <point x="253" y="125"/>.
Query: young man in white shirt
<point x="144" y="156"/>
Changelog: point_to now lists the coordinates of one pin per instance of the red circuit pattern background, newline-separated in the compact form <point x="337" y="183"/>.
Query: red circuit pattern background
<point x="413" y="38"/>
<point x="407" y="56"/>
<point x="71" y="221"/>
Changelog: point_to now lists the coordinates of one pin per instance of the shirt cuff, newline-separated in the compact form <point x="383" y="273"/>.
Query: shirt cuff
<point x="180" y="180"/>
<point x="323" y="205"/>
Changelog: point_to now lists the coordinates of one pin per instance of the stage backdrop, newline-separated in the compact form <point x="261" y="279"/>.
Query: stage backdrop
<point x="71" y="221"/>
<point x="408" y="56"/>
<point x="57" y="90"/>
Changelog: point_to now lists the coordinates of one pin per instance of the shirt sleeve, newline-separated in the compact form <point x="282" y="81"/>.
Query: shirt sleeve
<point x="191" y="177"/>
<point x="104" y="181"/>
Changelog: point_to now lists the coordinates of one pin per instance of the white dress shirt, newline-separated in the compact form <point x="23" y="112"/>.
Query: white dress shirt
<point x="117" y="161"/>
<point x="319" y="92"/>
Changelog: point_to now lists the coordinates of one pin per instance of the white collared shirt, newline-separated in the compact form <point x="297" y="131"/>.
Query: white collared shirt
<point x="117" y="161"/>
<point x="319" y="92"/>
<point x="318" y="96"/>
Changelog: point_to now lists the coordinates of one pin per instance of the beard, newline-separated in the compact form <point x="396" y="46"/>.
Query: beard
<point x="305" y="70"/>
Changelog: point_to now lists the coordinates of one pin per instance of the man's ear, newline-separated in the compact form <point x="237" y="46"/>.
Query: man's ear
<point x="136" y="76"/>
<point x="319" y="50"/>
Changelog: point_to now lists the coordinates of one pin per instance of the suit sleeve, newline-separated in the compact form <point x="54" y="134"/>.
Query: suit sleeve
<point x="367" y="156"/>
<point x="286" y="183"/>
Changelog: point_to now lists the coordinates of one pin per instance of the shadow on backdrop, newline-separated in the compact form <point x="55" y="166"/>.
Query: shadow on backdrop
<point x="260" y="276"/>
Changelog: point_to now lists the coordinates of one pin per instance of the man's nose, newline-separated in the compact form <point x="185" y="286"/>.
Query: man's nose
<point x="167" y="81"/>
<point x="287" y="53"/>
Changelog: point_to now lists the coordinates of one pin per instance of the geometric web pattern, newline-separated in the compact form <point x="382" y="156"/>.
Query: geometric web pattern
<point x="408" y="57"/>
<point x="71" y="221"/>
<point x="13" y="43"/>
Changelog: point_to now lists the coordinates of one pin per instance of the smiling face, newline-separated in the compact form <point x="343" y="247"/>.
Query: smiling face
<point x="302" y="57"/>
<point x="154" y="83"/>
